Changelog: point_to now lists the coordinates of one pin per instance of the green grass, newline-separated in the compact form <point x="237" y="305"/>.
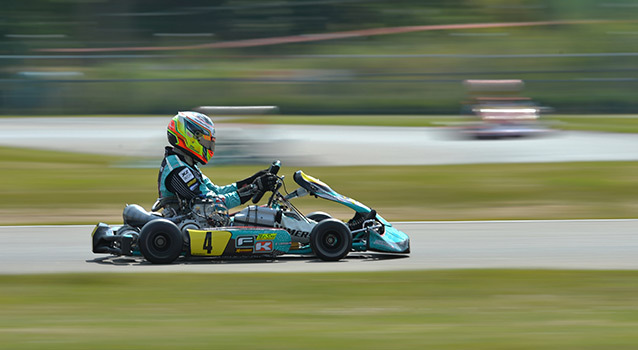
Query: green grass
<point x="453" y="309"/>
<point x="52" y="187"/>
<point x="606" y="123"/>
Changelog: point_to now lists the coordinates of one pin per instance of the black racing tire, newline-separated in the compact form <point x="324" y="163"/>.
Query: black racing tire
<point x="331" y="240"/>
<point x="161" y="241"/>
<point x="318" y="216"/>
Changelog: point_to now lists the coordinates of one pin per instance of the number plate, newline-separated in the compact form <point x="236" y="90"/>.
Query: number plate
<point x="208" y="243"/>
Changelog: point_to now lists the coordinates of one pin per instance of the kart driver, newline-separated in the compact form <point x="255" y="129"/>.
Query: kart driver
<point x="192" y="139"/>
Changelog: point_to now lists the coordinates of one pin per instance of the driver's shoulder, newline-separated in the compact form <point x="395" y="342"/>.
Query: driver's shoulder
<point x="174" y="161"/>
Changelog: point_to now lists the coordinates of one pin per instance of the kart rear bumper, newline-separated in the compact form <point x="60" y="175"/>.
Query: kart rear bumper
<point x="107" y="242"/>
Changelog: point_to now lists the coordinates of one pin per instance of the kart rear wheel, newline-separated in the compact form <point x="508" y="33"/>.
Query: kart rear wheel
<point x="161" y="241"/>
<point x="331" y="240"/>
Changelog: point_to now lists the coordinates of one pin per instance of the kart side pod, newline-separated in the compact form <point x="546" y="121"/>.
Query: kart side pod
<point x="238" y="242"/>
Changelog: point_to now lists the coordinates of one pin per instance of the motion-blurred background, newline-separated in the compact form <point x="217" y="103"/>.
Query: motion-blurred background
<point x="312" y="57"/>
<point x="362" y="87"/>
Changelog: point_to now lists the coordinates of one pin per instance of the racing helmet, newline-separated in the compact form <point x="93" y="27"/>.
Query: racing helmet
<point x="193" y="133"/>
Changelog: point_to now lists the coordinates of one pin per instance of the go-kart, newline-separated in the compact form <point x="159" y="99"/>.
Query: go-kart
<point x="202" y="227"/>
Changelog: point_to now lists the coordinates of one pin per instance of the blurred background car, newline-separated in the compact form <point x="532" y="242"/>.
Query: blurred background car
<point x="501" y="111"/>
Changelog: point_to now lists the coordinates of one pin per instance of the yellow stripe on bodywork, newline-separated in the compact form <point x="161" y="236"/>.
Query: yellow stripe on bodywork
<point x="219" y="240"/>
<point x="313" y="180"/>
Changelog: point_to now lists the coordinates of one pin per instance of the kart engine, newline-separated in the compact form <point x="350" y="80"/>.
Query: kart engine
<point x="203" y="214"/>
<point x="195" y="214"/>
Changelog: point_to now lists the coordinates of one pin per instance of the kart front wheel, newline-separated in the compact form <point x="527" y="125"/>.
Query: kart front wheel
<point x="331" y="240"/>
<point x="318" y="216"/>
<point x="161" y="241"/>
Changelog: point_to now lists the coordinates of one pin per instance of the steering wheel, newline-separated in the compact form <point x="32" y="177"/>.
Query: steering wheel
<point x="274" y="169"/>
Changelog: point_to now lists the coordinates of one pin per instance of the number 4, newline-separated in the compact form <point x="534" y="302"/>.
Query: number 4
<point x="208" y="243"/>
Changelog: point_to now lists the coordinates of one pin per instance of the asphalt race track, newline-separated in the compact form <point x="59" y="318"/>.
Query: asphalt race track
<point x="577" y="244"/>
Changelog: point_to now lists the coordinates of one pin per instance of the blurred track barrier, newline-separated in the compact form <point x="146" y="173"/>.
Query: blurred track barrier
<point x="326" y="36"/>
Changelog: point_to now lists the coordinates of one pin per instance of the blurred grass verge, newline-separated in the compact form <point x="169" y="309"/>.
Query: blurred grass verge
<point x="445" y="309"/>
<point x="606" y="123"/>
<point x="46" y="187"/>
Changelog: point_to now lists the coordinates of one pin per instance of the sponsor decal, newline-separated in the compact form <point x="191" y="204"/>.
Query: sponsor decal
<point x="244" y="250"/>
<point x="245" y="242"/>
<point x="266" y="236"/>
<point x="298" y="233"/>
<point x="264" y="246"/>
<point x="186" y="175"/>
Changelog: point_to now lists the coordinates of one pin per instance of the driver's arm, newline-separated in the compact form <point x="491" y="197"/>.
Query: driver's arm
<point x="183" y="182"/>
<point x="234" y="186"/>
<point x="218" y="189"/>
<point x="242" y="190"/>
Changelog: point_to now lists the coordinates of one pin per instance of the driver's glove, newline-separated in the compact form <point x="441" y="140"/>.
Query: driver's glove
<point x="266" y="182"/>
<point x="249" y="180"/>
<point x="247" y="192"/>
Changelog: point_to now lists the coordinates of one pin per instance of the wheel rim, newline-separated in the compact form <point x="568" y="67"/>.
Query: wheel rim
<point x="331" y="242"/>
<point x="161" y="242"/>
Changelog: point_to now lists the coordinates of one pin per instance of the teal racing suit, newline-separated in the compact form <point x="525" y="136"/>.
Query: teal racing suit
<point x="180" y="176"/>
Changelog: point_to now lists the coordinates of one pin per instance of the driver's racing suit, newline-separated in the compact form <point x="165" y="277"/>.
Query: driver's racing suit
<point x="179" y="175"/>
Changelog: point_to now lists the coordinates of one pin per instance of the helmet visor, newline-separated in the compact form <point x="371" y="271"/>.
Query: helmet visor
<point x="207" y="142"/>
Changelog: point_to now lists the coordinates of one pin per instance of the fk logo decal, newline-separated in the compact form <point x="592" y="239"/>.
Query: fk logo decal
<point x="265" y="246"/>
